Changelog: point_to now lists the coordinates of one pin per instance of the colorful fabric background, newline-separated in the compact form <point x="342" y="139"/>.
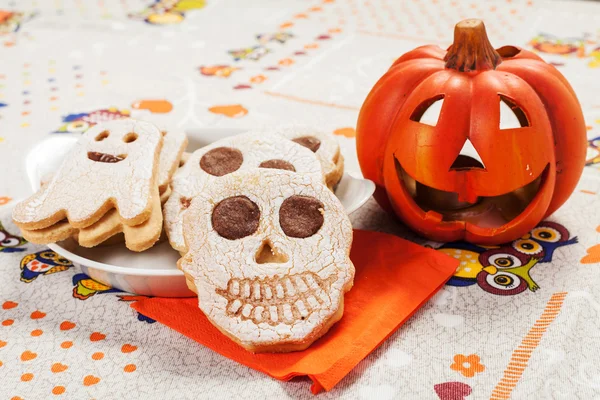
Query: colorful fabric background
<point x="67" y="64"/>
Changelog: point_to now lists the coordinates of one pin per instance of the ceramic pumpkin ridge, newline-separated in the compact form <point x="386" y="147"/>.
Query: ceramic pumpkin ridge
<point x="513" y="176"/>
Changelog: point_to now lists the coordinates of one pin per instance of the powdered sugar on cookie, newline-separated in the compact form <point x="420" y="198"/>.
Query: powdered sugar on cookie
<point x="211" y="163"/>
<point x="269" y="258"/>
<point x="113" y="165"/>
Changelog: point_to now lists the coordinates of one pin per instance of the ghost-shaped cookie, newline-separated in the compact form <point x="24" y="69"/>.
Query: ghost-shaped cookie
<point x="209" y="164"/>
<point x="174" y="144"/>
<point x="113" y="165"/>
<point x="269" y="258"/>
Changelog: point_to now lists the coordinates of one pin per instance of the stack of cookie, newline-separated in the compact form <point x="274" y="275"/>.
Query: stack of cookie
<point x="298" y="149"/>
<point x="111" y="183"/>
<point x="264" y="241"/>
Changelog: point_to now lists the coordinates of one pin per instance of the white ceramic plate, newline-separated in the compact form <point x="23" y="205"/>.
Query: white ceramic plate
<point x="153" y="272"/>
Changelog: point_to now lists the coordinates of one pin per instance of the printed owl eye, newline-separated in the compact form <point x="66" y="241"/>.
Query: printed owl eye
<point x="527" y="246"/>
<point x="48" y="254"/>
<point x="511" y="115"/>
<point x="546" y="234"/>
<point x="503" y="260"/>
<point x="428" y="112"/>
<point x="9" y="242"/>
<point x="63" y="261"/>
<point x="77" y="126"/>
<point x="503" y="283"/>
<point x="301" y="216"/>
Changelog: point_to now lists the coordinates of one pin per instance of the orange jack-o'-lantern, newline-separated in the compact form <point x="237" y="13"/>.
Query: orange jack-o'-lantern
<point x="472" y="143"/>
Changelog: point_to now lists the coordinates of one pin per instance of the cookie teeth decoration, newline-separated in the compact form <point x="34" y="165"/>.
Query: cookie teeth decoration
<point x="250" y="150"/>
<point x="269" y="258"/>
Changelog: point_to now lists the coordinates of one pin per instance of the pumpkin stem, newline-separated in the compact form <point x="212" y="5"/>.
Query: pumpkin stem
<point x="471" y="50"/>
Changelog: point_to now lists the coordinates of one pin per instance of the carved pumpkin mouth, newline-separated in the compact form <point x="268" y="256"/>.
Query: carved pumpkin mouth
<point x="484" y="212"/>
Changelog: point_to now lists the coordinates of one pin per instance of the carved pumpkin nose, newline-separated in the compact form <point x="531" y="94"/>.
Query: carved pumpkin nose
<point x="467" y="159"/>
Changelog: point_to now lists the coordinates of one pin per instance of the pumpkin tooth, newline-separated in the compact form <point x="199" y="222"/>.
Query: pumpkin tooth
<point x="468" y="196"/>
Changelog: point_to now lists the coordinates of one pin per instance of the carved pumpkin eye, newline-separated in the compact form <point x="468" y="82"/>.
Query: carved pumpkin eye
<point x="511" y="115"/>
<point x="428" y="112"/>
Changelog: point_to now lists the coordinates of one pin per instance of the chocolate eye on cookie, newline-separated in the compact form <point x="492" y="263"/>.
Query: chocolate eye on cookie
<point x="301" y="216"/>
<point x="235" y="217"/>
<point x="310" y="142"/>
<point x="277" y="164"/>
<point x="221" y="161"/>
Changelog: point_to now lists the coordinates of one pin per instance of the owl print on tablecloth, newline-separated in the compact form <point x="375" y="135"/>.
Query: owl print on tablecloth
<point x="220" y="71"/>
<point x="43" y="262"/>
<point x="167" y="12"/>
<point x="550" y="44"/>
<point x="279" y="37"/>
<point x="79" y="123"/>
<point x="593" y="153"/>
<point x="254" y="53"/>
<point x="11" y="21"/>
<point x="10" y="243"/>
<point x="506" y="270"/>
<point x="584" y="47"/>
<point x="86" y="287"/>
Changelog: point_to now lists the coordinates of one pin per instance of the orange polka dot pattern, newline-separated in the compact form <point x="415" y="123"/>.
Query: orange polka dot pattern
<point x="63" y="329"/>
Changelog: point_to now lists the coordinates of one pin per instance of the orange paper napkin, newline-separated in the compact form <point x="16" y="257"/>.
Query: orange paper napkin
<point x="393" y="279"/>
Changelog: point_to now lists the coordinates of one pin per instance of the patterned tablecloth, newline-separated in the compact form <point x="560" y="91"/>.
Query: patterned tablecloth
<point x="66" y="64"/>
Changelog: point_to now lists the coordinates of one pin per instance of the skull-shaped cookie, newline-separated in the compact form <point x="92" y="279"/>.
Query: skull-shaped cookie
<point x="113" y="165"/>
<point x="211" y="163"/>
<point x="322" y="144"/>
<point x="269" y="258"/>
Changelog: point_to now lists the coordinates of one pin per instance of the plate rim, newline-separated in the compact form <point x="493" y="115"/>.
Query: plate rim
<point x="110" y="268"/>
